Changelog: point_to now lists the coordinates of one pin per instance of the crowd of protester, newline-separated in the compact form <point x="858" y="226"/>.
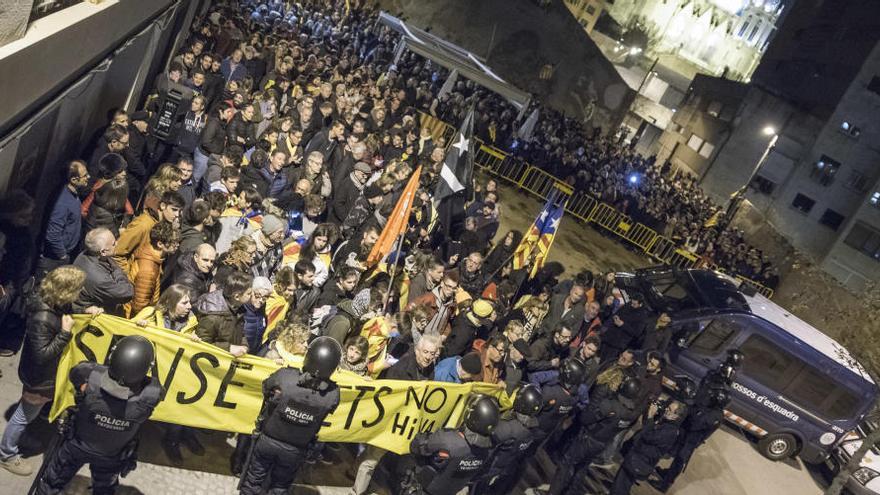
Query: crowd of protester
<point x="249" y="228"/>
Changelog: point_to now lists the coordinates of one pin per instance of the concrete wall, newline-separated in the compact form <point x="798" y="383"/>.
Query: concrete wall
<point x="53" y="53"/>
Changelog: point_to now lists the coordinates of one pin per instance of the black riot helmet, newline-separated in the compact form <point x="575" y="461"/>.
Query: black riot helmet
<point x="482" y="415"/>
<point x="630" y="391"/>
<point x="726" y="371"/>
<point x="528" y="400"/>
<point x="735" y="358"/>
<point x="322" y="358"/>
<point x="130" y="360"/>
<point x="685" y="388"/>
<point x="572" y="373"/>
<point x="719" y="397"/>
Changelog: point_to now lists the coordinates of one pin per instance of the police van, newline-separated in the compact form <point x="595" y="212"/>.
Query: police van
<point x="798" y="391"/>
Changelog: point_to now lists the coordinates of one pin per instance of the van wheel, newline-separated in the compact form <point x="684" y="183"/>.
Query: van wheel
<point x="778" y="446"/>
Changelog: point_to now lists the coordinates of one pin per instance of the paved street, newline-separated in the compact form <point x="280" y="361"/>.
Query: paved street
<point x="727" y="465"/>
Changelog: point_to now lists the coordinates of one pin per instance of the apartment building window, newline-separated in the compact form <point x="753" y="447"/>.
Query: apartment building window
<point x="591" y="10"/>
<point x="874" y="85"/>
<point x="803" y="203"/>
<point x="875" y="199"/>
<point x="864" y="239"/>
<point x="714" y="108"/>
<point x="832" y="219"/>
<point x="706" y="149"/>
<point x="694" y="142"/>
<point x="824" y="170"/>
<point x="857" y="182"/>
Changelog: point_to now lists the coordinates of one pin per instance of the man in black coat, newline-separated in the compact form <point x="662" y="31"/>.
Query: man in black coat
<point x="195" y="270"/>
<point x="347" y="191"/>
<point x="550" y="350"/>
<point x="106" y="286"/>
<point x="329" y="143"/>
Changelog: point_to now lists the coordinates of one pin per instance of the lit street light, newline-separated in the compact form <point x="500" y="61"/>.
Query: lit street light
<point x="736" y="198"/>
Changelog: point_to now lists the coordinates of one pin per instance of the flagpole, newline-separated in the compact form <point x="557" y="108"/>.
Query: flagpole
<point x="393" y="270"/>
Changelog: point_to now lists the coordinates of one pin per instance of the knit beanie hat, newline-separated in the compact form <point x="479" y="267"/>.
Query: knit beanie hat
<point x="272" y="224"/>
<point x="470" y="363"/>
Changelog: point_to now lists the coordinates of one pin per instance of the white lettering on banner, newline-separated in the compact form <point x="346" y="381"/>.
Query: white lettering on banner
<point x="765" y="401"/>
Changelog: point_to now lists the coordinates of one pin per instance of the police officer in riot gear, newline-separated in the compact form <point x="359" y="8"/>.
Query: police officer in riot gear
<point x="702" y="420"/>
<point x="452" y="458"/>
<point x="296" y="403"/>
<point x="559" y="399"/>
<point x="113" y="402"/>
<point x="512" y="437"/>
<point x="722" y="377"/>
<point x="600" y="423"/>
<point x="655" y="440"/>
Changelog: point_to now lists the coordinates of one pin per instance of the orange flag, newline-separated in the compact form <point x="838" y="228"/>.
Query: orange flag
<point x="397" y="222"/>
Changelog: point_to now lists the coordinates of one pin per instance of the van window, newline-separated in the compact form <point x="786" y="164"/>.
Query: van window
<point x="768" y="363"/>
<point x="822" y="396"/>
<point x="713" y="338"/>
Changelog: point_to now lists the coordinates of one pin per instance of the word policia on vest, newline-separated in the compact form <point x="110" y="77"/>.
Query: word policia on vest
<point x="206" y="387"/>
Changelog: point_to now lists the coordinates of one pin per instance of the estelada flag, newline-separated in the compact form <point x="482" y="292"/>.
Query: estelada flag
<point x="397" y="222"/>
<point x="540" y="236"/>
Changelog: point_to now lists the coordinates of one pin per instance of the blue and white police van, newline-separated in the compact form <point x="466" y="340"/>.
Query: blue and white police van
<point x="798" y="391"/>
<point x="865" y="480"/>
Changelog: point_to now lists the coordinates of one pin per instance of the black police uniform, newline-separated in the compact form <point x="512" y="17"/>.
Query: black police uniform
<point x="558" y="403"/>
<point x="654" y="441"/>
<point x="701" y="422"/>
<point x="108" y="418"/>
<point x="512" y="439"/>
<point x="289" y="431"/>
<point x="600" y="423"/>
<point x="454" y="458"/>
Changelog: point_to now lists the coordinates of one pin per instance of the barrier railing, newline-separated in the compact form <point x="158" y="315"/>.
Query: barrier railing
<point x="580" y="204"/>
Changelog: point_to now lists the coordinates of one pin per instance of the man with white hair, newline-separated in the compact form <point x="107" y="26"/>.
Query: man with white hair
<point x="417" y="364"/>
<point x="107" y="286"/>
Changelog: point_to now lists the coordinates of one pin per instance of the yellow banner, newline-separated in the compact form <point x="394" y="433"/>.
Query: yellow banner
<point x="206" y="387"/>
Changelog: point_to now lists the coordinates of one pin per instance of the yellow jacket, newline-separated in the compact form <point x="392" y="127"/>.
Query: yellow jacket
<point x="156" y="318"/>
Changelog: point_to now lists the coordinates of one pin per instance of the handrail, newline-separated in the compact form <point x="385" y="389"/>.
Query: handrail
<point x="581" y="205"/>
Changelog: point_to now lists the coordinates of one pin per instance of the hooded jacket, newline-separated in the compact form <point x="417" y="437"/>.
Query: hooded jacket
<point x="220" y="323"/>
<point x="145" y="273"/>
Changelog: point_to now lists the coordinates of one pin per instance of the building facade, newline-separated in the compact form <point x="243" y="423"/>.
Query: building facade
<point x="820" y="185"/>
<point x="710" y="36"/>
<point x="586" y="12"/>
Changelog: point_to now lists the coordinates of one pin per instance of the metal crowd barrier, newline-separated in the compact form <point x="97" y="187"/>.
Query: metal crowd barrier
<point x="580" y="204"/>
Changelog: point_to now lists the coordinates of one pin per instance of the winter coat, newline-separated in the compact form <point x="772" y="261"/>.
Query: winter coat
<point x="545" y="350"/>
<point x="145" y="273"/>
<point x="220" y="323"/>
<point x="156" y="318"/>
<point x="191" y="237"/>
<point x="213" y="136"/>
<point x="107" y="286"/>
<point x="238" y="128"/>
<point x="254" y="326"/>
<point x="188" y="274"/>
<point x="407" y="368"/>
<point x="132" y="238"/>
<point x="64" y="227"/>
<point x="263" y="181"/>
<point x="571" y="320"/>
<point x="344" y="323"/>
<point x="44" y="341"/>
<point x="343" y="200"/>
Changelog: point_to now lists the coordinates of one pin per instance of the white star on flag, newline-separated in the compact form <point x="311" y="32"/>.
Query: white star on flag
<point x="462" y="144"/>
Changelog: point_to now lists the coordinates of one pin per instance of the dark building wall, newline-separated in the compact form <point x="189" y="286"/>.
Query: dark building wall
<point x="818" y="50"/>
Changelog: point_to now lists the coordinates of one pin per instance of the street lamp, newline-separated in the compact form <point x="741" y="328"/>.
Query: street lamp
<point x="736" y="198"/>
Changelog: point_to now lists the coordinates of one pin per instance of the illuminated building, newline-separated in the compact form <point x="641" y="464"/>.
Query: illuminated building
<point x="716" y="37"/>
